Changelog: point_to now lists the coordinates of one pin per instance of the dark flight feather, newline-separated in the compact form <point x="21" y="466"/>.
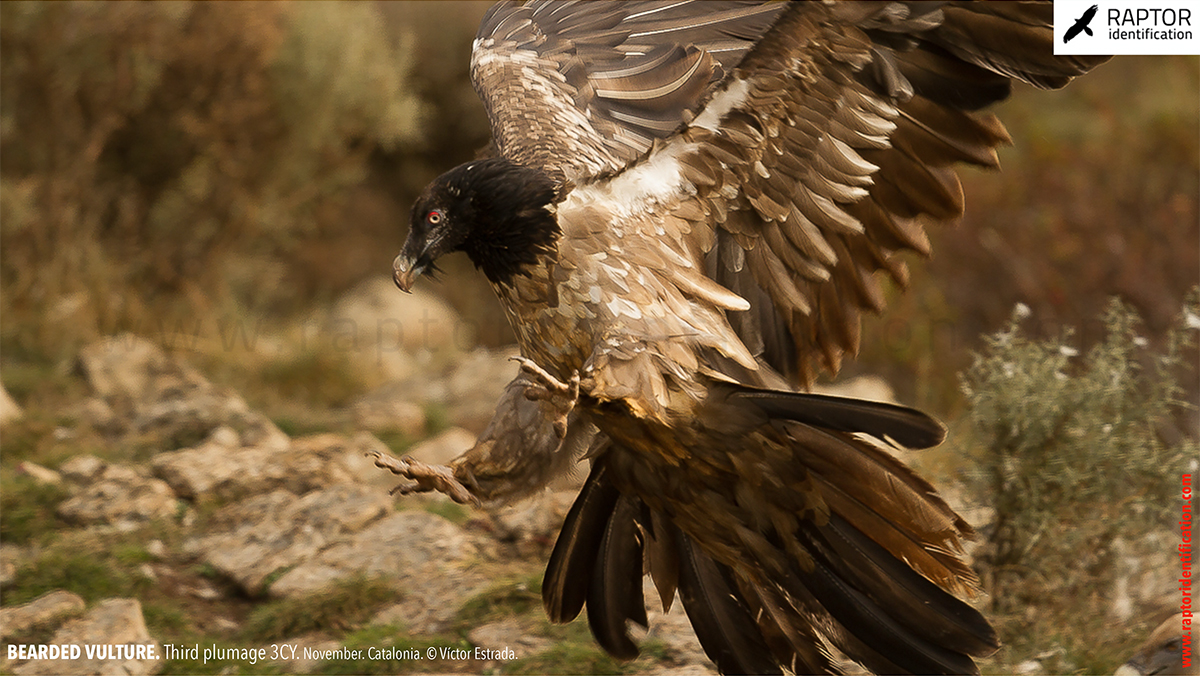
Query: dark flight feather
<point x="577" y="547"/>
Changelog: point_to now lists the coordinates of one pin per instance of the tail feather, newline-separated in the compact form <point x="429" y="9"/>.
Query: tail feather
<point x="615" y="593"/>
<point x="578" y="545"/>
<point x="886" y="499"/>
<point x="901" y="643"/>
<point x="906" y="426"/>
<point x="795" y="645"/>
<point x="662" y="556"/>
<point x="720" y="616"/>
<point x="934" y="615"/>
<point x="792" y="533"/>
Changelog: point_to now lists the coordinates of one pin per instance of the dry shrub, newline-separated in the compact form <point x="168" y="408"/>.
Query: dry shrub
<point x="1084" y="489"/>
<point x="163" y="159"/>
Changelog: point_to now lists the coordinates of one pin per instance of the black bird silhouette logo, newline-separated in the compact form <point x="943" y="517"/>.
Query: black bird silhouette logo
<point x="1081" y="24"/>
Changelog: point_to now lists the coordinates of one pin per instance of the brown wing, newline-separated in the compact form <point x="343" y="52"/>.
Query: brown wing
<point x="830" y="145"/>
<point x="582" y="89"/>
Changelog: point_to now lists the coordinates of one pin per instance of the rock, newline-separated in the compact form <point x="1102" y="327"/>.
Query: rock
<point x="684" y="670"/>
<point x="276" y="531"/>
<point x="378" y="414"/>
<point x="49" y="608"/>
<point x="43" y="475"/>
<point x="97" y="413"/>
<point x="1028" y="668"/>
<point x="11" y="558"/>
<point x="394" y="332"/>
<point x="82" y="468"/>
<point x="204" y="591"/>
<point x="309" y="463"/>
<point x="674" y="631"/>
<point x="424" y="555"/>
<point x="468" y="392"/>
<point x="1162" y="653"/>
<point x="10" y="410"/>
<point x="475" y="385"/>
<point x="151" y="393"/>
<point x="532" y="524"/>
<point x="441" y="449"/>
<point x="113" y="622"/>
<point x="157" y="549"/>
<point x="119" y="494"/>
<point x="511" y="632"/>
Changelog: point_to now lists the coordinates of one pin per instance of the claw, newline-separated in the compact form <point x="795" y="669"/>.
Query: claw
<point x="424" y="478"/>
<point x="552" y="384"/>
<point x="562" y="396"/>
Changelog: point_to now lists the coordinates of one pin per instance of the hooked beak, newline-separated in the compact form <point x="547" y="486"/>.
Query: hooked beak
<point x="405" y="271"/>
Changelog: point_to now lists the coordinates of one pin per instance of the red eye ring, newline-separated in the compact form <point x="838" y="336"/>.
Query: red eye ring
<point x="434" y="217"/>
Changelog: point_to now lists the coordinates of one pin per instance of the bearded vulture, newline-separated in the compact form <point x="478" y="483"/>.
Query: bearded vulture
<point x="684" y="209"/>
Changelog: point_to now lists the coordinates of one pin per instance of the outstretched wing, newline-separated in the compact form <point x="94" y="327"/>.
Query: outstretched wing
<point x="582" y="89"/>
<point x="830" y="145"/>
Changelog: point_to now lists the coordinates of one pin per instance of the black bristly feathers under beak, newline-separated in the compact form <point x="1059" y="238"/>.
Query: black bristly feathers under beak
<point x="406" y="269"/>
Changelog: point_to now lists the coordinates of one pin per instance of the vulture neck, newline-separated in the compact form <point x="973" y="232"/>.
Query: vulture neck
<point x="513" y="220"/>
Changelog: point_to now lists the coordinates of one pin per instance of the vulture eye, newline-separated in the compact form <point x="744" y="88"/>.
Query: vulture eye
<point x="434" y="217"/>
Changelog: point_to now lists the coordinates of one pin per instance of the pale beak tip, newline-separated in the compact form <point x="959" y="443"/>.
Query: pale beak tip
<point x="404" y="273"/>
<point x="404" y="280"/>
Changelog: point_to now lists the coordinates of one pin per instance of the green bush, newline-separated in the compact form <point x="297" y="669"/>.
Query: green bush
<point x="164" y="159"/>
<point x="1073" y="464"/>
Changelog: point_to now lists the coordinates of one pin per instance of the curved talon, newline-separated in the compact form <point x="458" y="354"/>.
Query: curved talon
<point x="562" y="396"/>
<point x="552" y="384"/>
<point x="424" y="478"/>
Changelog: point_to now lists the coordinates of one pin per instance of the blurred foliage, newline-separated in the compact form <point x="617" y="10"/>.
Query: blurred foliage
<point x="27" y="508"/>
<point x="165" y="159"/>
<point x="1071" y="461"/>
<point x="343" y="606"/>
<point x="91" y="574"/>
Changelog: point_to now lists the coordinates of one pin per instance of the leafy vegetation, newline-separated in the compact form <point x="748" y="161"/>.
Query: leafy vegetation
<point x="343" y="606"/>
<point x="27" y="508"/>
<point x="90" y="574"/>
<point x="1073" y="464"/>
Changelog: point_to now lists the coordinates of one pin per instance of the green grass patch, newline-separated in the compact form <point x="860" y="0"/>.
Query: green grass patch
<point x="93" y="575"/>
<point x="574" y="653"/>
<point x="27" y="508"/>
<point x="437" y="418"/>
<point x="132" y="554"/>
<point x="164" y="617"/>
<point x="343" y="606"/>
<point x="450" y="511"/>
<point x="511" y="597"/>
<point x="397" y="442"/>
<point x="319" y="377"/>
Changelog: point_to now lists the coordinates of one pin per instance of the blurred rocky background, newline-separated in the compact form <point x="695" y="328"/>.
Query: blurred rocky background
<point x="199" y="342"/>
